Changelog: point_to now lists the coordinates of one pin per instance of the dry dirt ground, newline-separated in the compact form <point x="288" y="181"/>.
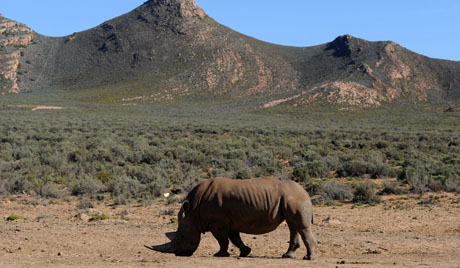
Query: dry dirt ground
<point x="409" y="231"/>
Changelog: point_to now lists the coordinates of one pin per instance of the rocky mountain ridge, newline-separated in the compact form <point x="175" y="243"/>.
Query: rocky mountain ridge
<point x="14" y="38"/>
<point x="170" y="49"/>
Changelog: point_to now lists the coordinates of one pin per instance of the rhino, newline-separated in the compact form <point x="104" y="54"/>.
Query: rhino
<point x="228" y="207"/>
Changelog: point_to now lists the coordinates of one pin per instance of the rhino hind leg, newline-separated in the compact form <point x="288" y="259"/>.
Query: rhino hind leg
<point x="300" y="222"/>
<point x="293" y="245"/>
<point x="236" y="240"/>
<point x="310" y="243"/>
<point x="220" y="232"/>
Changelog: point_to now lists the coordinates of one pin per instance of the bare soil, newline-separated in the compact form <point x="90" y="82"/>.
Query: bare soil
<point x="46" y="108"/>
<point x="403" y="231"/>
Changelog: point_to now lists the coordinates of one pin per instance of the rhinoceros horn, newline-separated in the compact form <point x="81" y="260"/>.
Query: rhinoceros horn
<point x="166" y="247"/>
<point x="171" y="235"/>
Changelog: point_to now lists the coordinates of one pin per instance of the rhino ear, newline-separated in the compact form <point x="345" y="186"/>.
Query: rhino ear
<point x="171" y="235"/>
<point x="186" y="206"/>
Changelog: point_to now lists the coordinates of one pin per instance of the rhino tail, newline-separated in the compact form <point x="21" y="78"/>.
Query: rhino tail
<point x="312" y="218"/>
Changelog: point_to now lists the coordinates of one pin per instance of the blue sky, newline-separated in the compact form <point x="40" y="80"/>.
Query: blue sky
<point x="428" y="27"/>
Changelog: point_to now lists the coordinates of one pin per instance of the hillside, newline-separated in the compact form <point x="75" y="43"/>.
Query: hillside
<point x="167" y="49"/>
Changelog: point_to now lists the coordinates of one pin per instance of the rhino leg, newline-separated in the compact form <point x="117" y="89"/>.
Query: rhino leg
<point x="300" y="219"/>
<point x="236" y="240"/>
<point x="293" y="244"/>
<point x="310" y="243"/>
<point x="220" y="232"/>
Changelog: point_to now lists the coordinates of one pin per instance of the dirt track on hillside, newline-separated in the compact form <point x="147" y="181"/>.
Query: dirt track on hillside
<point x="399" y="233"/>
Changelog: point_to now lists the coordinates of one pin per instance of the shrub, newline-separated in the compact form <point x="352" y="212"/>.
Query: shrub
<point x="86" y="186"/>
<point x="51" y="190"/>
<point x="356" y="167"/>
<point x="453" y="185"/>
<point x="3" y="188"/>
<point x="19" y="185"/>
<point x="100" y="217"/>
<point x="364" y="193"/>
<point x="125" y="186"/>
<point x="311" y="156"/>
<point x="300" y="174"/>
<point x="379" y="170"/>
<point x="318" y="169"/>
<point x="417" y="180"/>
<point x="333" y="162"/>
<point x="85" y="204"/>
<point x="14" y="217"/>
<point x="304" y="171"/>
<point x="155" y="188"/>
<point x="242" y="172"/>
<point x="381" y="144"/>
<point x="151" y="157"/>
<point x="168" y="212"/>
<point x="122" y="200"/>
<point x="390" y="188"/>
<point x="335" y="190"/>
<point x="314" y="187"/>
<point x="191" y="178"/>
<point x="436" y="184"/>
<point x="103" y="176"/>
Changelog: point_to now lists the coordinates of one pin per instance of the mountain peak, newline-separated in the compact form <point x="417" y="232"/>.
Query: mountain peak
<point x="344" y="45"/>
<point x="182" y="8"/>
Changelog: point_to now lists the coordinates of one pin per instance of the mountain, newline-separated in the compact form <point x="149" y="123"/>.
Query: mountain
<point x="169" y="49"/>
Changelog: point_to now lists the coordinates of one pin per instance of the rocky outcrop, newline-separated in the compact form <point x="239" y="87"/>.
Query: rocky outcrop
<point x="182" y="8"/>
<point x="14" y="39"/>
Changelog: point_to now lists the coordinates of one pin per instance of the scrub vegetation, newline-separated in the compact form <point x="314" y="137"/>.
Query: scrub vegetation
<point x="139" y="152"/>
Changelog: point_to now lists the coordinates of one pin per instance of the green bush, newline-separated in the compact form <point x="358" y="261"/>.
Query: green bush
<point x="335" y="190"/>
<point x="85" y="204"/>
<point x="364" y="193"/>
<point x="300" y="174"/>
<point x="390" y="188"/>
<point x="14" y="217"/>
<point x="86" y="185"/>
<point x="3" y="188"/>
<point x="100" y="217"/>
<point x="125" y="186"/>
<point x="156" y="188"/>
<point x="314" y="187"/>
<point x="103" y="176"/>
<point x="453" y="185"/>
<point x="51" y="190"/>
<point x="355" y="167"/>
<point x="318" y="169"/>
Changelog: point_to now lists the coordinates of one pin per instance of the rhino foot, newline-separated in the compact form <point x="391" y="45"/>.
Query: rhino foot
<point x="310" y="257"/>
<point x="245" y="251"/>
<point x="222" y="254"/>
<point x="290" y="255"/>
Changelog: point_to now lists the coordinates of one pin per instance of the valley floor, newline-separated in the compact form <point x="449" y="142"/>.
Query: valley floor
<point x="403" y="231"/>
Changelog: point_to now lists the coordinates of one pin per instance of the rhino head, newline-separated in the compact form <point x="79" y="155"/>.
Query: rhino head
<point x="186" y="239"/>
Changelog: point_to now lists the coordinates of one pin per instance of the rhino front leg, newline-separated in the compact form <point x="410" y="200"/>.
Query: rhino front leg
<point x="220" y="232"/>
<point x="236" y="240"/>
<point x="293" y="244"/>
